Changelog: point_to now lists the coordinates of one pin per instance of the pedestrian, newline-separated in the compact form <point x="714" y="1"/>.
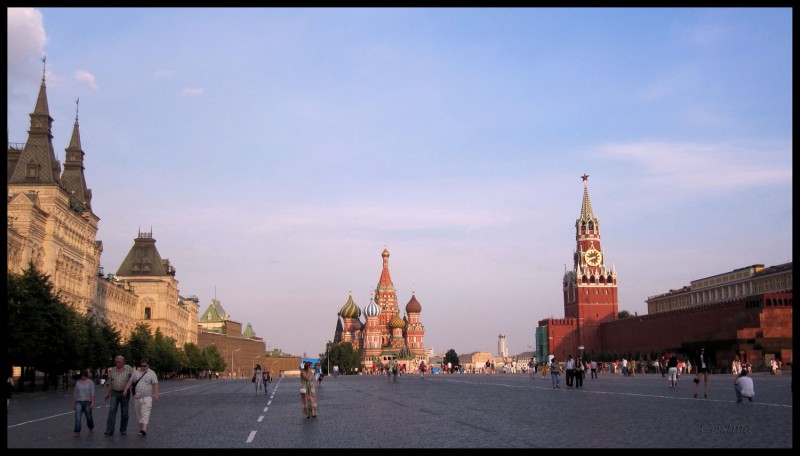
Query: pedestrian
<point x="703" y="368"/>
<point x="265" y="380"/>
<point x="531" y="368"/>
<point x="580" y="368"/>
<point x="593" y="367"/>
<point x="672" y="369"/>
<point x="570" y="368"/>
<point x="743" y="385"/>
<point x="143" y="385"/>
<point x="555" y="374"/>
<point x="257" y="377"/>
<point x="118" y="377"/>
<point x="335" y="370"/>
<point x="308" y="396"/>
<point x="394" y="370"/>
<point x="422" y="369"/>
<point x="83" y="402"/>
<point x="9" y="388"/>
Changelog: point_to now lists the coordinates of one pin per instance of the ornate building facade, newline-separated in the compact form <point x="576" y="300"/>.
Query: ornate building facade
<point x="50" y="217"/>
<point x="51" y="224"/>
<point x="744" y="313"/>
<point x="383" y="336"/>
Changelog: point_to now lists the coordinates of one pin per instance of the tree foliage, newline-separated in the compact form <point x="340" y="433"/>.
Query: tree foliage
<point x="342" y="355"/>
<point x="623" y="314"/>
<point x="451" y="357"/>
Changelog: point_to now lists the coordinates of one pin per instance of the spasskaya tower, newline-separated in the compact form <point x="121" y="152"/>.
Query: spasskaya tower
<point x="590" y="288"/>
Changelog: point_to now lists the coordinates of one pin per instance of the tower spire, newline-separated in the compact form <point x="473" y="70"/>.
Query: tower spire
<point x="586" y="205"/>
<point x="73" y="178"/>
<point x="37" y="163"/>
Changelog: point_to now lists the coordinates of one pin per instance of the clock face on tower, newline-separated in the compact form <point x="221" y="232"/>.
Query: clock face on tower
<point x="593" y="257"/>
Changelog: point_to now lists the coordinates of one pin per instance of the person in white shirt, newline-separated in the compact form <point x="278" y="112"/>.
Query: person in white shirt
<point x="569" y="366"/>
<point x="743" y="385"/>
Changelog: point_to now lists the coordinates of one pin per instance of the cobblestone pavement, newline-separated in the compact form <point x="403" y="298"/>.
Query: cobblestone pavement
<point x="441" y="411"/>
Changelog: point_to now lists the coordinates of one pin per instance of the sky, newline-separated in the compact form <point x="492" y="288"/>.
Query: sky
<point x="275" y="153"/>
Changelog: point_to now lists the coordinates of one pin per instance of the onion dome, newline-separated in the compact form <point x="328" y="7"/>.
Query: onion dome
<point x="385" y="253"/>
<point x="413" y="305"/>
<point x="372" y="309"/>
<point x="397" y="322"/>
<point x="350" y="309"/>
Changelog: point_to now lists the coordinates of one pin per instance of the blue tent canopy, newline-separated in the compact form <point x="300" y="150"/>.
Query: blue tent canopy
<point x="313" y="361"/>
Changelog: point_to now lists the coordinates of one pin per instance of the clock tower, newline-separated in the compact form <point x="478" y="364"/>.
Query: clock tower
<point x="590" y="288"/>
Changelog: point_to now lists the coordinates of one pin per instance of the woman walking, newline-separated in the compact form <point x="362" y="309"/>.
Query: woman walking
<point x="308" y="396"/>
<point x="703" y="368"/>
<point x="555" y="375"/>
<point x="257" y="377"/>
<point x="83" y="402"/>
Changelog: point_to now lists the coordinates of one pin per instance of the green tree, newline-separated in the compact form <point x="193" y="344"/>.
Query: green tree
<point x="451" y="357"/>
<point x="139" y="344"/>
<point x="341" y="355"/>
<point x="212" y="359"/>
<point x="193" y="359"/>
<point x="165" y="355"/>
<point x="39" y="328"/>
<point x="623" y="314"/>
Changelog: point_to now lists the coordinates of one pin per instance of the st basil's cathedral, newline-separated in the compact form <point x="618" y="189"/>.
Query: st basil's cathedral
<point x="383" y="336"/>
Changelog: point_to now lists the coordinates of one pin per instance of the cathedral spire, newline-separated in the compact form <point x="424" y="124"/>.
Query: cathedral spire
<point x="37" y="163"/>
<point x="73" y="179"/>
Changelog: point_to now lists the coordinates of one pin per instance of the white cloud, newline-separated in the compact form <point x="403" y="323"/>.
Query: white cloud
<point x="192" y="91"/>
<point x="86" y="78"/>
<point x="706" y="166"/>
<point x="26" y="40"/>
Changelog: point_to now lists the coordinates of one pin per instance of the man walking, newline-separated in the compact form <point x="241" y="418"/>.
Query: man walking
<point x="145" y="389"/>
<point x="118" y="377"/>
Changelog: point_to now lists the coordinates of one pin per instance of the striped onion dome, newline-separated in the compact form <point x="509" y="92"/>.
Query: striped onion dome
<point x="350" y="309"/>
<point x="413" y="305"/>
<point x="372" y="309"/>
<point x="397" y="322"/>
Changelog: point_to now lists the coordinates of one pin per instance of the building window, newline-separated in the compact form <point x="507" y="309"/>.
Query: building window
<point x="147" y="314"/>
<point x="32" y="170"/>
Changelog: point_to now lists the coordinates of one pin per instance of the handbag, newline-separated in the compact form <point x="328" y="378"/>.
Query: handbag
<point x="253" y="380"/>
<point x="302" y="391"/>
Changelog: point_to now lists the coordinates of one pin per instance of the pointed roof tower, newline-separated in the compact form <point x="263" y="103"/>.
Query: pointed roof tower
<point x="385" y="282"/>
<point x="37" y="163"/>
<point x="586" y="205"/>
<point x="215" y="312"/>
<point x="73" y="178"/>
<point x="143" y="258"/>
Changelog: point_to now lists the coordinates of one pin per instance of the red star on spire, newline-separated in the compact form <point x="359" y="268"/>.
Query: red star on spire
<point x="585" y="177"/>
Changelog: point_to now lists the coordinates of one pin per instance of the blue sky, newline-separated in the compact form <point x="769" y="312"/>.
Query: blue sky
<point x="276" y="152"/>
